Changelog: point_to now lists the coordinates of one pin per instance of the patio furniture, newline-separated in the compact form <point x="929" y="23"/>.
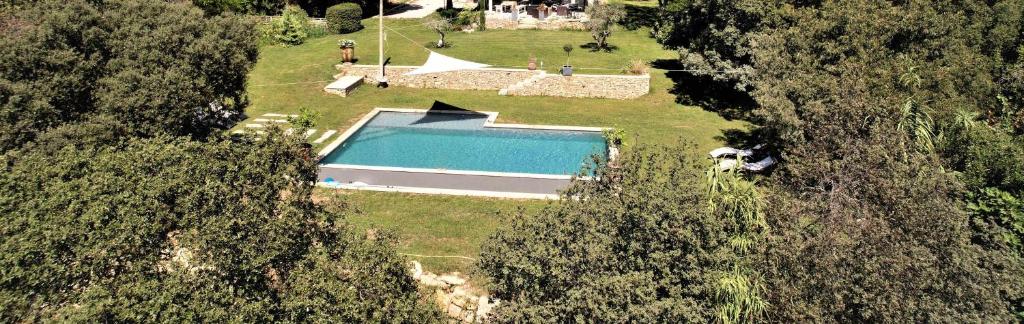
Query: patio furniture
<point x="728" y="151"/>
<point x="563" y="11"/>
<point x="759" y="165"/>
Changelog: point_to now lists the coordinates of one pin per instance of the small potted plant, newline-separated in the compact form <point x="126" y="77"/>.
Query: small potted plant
<point x="348" y="48"/>
<point x="567" y="69"/>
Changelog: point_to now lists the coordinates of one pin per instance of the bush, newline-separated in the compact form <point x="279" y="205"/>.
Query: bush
<point x="635" y="67"/>
<point x="344" y="18"/>
<point x="292" y="28"/>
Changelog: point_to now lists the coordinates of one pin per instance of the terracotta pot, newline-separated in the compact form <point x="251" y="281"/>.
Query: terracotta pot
<point x="532" y="65"/>
<point x="347" y="54"/>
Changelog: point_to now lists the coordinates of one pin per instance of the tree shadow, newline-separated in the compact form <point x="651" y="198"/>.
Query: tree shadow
<point x="400" y="8"/>
<point x="740" y="138"/>
<point x="697" y="90"/>
<point x="639" y="17"/>
<point x="592" y="46"/>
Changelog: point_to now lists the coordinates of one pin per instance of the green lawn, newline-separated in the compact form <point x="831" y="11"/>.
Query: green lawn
<point x="287" y="78"/>
<point x="436" y="225"/>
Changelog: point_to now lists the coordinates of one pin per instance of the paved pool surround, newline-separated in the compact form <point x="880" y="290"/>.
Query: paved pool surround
<point x="444" y="181"/>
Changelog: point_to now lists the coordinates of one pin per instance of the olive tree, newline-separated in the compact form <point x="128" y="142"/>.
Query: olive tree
<point x="602" y="18"/>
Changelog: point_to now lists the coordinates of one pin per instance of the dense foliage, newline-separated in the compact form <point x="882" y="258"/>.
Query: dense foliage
<point x="255" y="7"/>
<point x="647" y="242"/>
<point x="292" y="28"/>
<point x="318" y="8"/>
<point x="156" y="68"/>
<point x="344" y="18"/>
<point x="120" y="200"/>
<point x="855" y="96"/>
<point x="898" y="197"/>
<point x="173" y="230"/>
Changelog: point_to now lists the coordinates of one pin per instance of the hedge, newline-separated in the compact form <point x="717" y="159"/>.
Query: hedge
<point x="344" y="18"/>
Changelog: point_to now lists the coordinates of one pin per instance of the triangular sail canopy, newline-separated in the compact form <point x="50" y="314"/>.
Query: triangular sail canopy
<point x="441" y="63"/>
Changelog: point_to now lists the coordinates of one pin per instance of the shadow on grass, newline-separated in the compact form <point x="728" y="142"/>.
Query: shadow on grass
<point x="592" y="46"/>
<point x="698" y="90"/>
<point x="639" y="17"/>
<point x="740" y="138"/>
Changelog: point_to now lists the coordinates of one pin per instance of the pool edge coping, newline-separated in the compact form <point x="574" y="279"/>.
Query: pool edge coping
<point x="440" y="191"/>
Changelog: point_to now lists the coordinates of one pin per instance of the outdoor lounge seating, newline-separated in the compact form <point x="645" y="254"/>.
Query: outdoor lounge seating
<point x="728" y="151"/>
<point x="759" y="166"/>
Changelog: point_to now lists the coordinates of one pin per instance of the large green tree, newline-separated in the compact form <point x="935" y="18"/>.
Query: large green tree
<point x="644" y="243"/>
<point x="157" y="67"/>
<point x="173" y="230"/>
<point x="869" y="218"/>
<point x="121" y="200"/>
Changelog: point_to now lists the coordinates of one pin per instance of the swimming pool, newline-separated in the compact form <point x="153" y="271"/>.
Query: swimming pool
<point x="458" y="152"/>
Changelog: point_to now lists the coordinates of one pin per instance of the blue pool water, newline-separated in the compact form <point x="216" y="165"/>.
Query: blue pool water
<point x="460" y="142"/>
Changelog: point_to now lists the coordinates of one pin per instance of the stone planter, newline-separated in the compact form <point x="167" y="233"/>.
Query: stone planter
<point x="567" y="70"/>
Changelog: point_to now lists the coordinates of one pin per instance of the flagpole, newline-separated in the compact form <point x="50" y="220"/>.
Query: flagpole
<point x="382" y="79"/>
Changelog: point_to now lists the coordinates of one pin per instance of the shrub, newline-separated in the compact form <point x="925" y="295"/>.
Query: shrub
<point x="292" y="28"/>
<point x="344" y="18"/>
<point x="635" y="67"/>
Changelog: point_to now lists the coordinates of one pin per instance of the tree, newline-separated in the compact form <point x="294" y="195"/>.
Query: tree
<point x="67" y="61"/>
<point x="602" y="18"/>
<point x="853" y="184"/>
<point x="175" y="230"/>
<point x="714" y="37"/>
<point x="441" y="27"/>
<point x="659" y="245"/>
<point x="856" y="96"/>
<point x="256" y="7"/>
<point x="121" y="200"/>
<point x="292" y="28"/>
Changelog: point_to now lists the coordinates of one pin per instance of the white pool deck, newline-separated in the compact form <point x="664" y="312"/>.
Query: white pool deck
<point x="443" y="181"/>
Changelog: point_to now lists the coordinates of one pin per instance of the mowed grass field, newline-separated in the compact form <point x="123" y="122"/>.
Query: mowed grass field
<point x="287" y="79"/>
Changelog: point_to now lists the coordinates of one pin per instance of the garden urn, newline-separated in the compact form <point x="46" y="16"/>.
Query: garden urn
<point x="347" y="53"/>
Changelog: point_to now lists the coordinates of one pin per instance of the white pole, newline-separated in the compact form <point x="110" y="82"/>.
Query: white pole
<point x="382" y="79"/>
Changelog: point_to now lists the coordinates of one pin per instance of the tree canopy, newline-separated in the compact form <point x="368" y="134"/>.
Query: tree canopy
<point x="121" y="200"/>
<point x="645" y="243"/>
<point x="158" y="68"/>
<point x="897" y="199"/>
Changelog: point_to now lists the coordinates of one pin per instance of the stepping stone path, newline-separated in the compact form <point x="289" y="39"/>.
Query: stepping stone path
<point x="325" y="136"/>
<point x="271" y="118"/>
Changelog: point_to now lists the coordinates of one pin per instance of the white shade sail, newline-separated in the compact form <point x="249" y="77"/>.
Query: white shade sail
<point x="441" y="63"/>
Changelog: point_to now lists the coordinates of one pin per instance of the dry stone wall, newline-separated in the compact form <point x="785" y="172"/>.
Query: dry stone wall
<point x="513" y="82"/>
<point x="477" y="79"/>
<point x="587" y="86"/>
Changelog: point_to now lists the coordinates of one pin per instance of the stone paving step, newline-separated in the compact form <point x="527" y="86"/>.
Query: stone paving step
<point x="325" y="136"/>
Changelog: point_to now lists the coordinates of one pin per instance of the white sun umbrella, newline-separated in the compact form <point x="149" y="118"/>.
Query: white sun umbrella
<point x="441" y="63"/>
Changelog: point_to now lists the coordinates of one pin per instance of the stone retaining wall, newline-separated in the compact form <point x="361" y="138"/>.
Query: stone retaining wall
<point x="587" y="86"/>
<point x="547" y="24"/>
<point x="514" y="82"/>
<point x="478" y="79"/>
